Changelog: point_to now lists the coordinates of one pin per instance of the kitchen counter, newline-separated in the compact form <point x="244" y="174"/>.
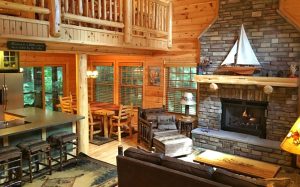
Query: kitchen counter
<point x="36" y="118"/>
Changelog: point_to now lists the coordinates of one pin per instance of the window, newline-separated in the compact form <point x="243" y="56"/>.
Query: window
<point x="131" y="85"/>
<point x="179" y="80"/>
<point x="42" y="86"/>
<point x="32" y="87"/>
<point x="104" y="84"/>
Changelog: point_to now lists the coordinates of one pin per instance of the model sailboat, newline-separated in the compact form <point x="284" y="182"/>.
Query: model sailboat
<point x="241" y="58"/>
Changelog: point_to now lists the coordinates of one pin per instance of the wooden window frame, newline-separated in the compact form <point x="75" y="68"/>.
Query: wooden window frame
<point x="94" y="84"/>
<point x="132" y="86"/>
<point x="177" y="107"/>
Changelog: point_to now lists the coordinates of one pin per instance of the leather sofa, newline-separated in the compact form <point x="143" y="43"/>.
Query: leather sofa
<point x="151" y="122"/>
<point x="138" y="168"/>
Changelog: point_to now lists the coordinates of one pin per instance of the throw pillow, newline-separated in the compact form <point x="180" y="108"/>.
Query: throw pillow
<point x="142" y="155"/>
<point x="167" y="126"/>
<point x="187" y="167"/>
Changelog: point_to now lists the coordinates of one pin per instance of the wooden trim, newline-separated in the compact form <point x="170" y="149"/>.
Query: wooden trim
<point x="179" y="64"/>
<point x="74" y="17"/>
<point x="24" y="19"/>
<point x="244" y="80"/>
<point x="152" y="31"/>
<point x="288" y="18"/>
<point x="27" y="8"/>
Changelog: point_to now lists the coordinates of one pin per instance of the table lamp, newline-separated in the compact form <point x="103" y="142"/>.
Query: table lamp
<point x="187" y="100"/>
<point x="291" y="142"/>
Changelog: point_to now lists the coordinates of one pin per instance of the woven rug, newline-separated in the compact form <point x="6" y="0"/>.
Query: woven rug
<point x="100" y="140"/>
<point x="88" y="172"/>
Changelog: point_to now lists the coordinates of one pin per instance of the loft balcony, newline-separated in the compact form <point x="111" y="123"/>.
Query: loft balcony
<point x="138" y="24"/>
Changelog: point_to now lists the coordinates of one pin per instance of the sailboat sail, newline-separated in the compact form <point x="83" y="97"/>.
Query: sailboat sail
<point x="243" y="50"/>
<point x="230" y="57"/>
<point x="245" y="54"/>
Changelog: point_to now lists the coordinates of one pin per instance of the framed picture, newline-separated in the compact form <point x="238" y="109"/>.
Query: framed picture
<point x="154" y="76"/>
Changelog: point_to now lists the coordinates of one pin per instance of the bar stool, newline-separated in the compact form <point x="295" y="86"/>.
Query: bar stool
<point x="10" y="166"/>
<point x="60" y="142"/>
<point x="35" y="151"/>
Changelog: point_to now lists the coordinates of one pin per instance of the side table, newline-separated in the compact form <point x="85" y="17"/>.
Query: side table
<point x="186" y="125"/>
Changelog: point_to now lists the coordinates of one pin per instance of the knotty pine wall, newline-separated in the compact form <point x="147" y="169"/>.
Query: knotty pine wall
<point x="190" y="19"/>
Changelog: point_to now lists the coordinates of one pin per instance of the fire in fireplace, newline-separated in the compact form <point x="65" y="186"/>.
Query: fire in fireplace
<point x="242" y="116"/>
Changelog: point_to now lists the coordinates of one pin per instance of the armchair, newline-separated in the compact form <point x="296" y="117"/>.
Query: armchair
<point x="152" y="122"/>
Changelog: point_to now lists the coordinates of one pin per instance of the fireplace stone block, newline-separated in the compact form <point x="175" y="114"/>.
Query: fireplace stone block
<point x="241" y="144"/>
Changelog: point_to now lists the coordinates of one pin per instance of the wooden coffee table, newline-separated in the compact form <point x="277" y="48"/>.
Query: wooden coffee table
<point x="238" y="164"/>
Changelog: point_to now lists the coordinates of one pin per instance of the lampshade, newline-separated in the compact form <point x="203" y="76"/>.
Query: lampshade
<point x="187" y="99"/>
<point x="291" y="142"/>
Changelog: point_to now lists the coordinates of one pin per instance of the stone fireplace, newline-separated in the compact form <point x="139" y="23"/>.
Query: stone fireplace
<point x="242" y="116"/>
<point x="257" y="122"/>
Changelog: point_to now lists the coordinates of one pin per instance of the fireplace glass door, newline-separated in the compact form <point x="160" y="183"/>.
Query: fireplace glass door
<point x="244" y="117"/>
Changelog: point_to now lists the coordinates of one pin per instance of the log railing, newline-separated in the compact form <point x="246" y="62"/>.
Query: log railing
<point x="96" y="13"/>
<point x="152" y="18"/>
<point x="146" y="18"/>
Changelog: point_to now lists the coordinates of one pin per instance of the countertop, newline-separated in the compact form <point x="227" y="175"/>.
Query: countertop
<point x="37" y="118"/>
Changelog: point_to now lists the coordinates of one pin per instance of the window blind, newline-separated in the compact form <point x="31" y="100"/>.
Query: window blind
<point x="104" y="84"/>
<point x="180" y="80"/>
<point x="131" y="85"/>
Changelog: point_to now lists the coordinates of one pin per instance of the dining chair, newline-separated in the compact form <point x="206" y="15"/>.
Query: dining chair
<point x="122" y="121"/>
<point x="66" y="104"/>
<point x="94" y="124"/>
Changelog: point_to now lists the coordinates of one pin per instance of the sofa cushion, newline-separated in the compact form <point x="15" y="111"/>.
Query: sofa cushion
<point x="139" y="154"/>
<point x="166" y="122"/>
<point x="187" y="167"/>
<point x="236" y="180"/>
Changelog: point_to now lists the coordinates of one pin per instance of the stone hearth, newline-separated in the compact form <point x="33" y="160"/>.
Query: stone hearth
<point x="276" y="44"/>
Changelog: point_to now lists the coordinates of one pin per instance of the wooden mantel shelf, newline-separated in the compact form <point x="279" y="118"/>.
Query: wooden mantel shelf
<point x="247" y="80"/>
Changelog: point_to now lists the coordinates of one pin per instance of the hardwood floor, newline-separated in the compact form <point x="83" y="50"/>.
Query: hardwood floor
<point x="109" y="151"/>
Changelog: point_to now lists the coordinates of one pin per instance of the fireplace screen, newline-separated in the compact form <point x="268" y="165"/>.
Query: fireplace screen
<point x="244" y="117"/>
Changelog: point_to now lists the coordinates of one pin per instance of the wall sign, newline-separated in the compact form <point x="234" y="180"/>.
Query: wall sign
<point x="14" y="45"/>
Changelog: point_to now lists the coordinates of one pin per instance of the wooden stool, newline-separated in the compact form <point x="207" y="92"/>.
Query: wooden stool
<point x="10" y="166"/>
<point x="33" y="151"/>
<point x="60" y="141"/>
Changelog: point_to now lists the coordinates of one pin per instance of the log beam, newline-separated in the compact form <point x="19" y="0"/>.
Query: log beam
<point x="128" y="21"/>
<point x="82" y="102"/>
<point x="55" y="17"/>
<point x="26" y="8"/>
<point x="169" y="26"/>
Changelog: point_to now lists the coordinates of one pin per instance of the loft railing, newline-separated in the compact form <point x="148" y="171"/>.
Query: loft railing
<point x="147" y="18"/>
<point x="152" y="18"/>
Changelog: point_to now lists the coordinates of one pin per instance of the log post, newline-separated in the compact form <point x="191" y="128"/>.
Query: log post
<point x="82" y="102"/>
<point x="128" y="21"/>
<point x="169" y="22"/>
<point x="55" y="17"/>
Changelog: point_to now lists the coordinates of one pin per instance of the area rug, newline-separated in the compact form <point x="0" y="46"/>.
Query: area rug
<point x="87" y="172"/>
<point x="100" y="140"/>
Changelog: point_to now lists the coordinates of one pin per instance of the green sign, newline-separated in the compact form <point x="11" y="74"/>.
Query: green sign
<point x="14" y="45"/>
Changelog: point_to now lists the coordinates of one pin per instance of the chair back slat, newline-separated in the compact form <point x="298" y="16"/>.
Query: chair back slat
<point x="66" y="104"/>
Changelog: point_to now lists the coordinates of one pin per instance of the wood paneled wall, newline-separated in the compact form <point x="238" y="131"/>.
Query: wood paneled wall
<point x="190" y="19"/>
<point x="291" y="10"/>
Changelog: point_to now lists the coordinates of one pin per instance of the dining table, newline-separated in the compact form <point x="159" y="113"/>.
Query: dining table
<point x="105" y="110"/>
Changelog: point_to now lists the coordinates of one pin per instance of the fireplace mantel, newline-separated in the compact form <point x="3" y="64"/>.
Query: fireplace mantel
<point x="247" y="80"/>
